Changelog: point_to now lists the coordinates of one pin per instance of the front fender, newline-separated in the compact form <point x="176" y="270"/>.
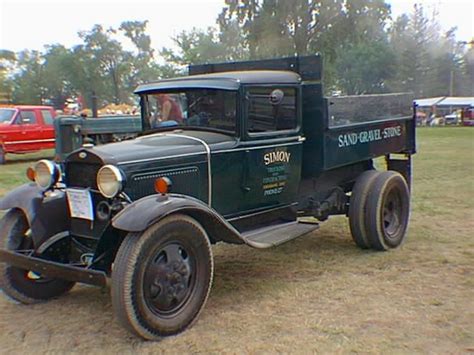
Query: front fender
<point x="47" y="213"/>
<point x="27" y="197"/>
<point x="142" y="213"/>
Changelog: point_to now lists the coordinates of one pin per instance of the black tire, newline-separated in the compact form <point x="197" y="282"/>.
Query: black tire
<point x="23" y="285"/>
<point x="3" y="159"/>
<point x="161" y="277"/>
<point x="357" y="207"/>
<point x="388" y="210"/>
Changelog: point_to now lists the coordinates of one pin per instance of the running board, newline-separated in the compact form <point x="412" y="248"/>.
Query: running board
<point x="267" y="237"/>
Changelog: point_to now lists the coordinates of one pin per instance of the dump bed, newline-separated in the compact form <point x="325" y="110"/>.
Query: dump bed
<point x="367" y="126"/>
<point x="338" y="131"/>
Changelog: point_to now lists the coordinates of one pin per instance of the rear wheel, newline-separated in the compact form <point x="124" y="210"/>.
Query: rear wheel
<point x="357" y="210"/>
<point x="162" y="277"/>
<point x="388" y="209"/>
<point x="23" y="285"/>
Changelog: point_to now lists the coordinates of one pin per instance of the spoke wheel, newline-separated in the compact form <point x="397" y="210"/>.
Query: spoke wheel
<point x="22" y="285"/>
<point x="162" y="277"/>
<point x="387" y="211"/>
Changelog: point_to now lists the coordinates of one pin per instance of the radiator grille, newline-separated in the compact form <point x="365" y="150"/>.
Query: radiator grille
<point x="82" y="175"/>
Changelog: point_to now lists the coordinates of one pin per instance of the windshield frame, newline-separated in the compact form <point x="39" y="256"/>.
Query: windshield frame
<point x="12" y="117"/>
<point x="145" y="114"/>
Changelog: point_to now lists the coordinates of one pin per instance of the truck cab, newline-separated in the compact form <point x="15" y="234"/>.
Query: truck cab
<point x="249" y="122"/>
<point x="26" y="129"/>
<point x="246" y="153"/>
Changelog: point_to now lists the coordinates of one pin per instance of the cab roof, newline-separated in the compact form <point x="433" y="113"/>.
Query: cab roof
<point x="223" y="80"/>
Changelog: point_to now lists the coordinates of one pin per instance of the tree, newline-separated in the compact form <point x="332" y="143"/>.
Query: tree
<point x="142" y="66"/>
<point x="365" y="68"/>
<point x="195" y="47"/>
<point x="108" y="53"/>
<point x="412" y="37"/>
<point x="7" y="60"/>
<point x="56" y="74"/>
<point x="277" y="27"/>
<point x="28" y="85"/>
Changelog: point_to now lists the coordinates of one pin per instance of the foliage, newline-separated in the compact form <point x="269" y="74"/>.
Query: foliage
<point x="7" y="58"/>
<point x="364" y="51"/>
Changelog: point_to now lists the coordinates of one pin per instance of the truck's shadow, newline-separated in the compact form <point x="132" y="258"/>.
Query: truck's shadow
<point x="242" y="275"/>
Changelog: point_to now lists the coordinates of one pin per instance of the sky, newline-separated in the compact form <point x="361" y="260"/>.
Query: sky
<point x="30" y="24"/>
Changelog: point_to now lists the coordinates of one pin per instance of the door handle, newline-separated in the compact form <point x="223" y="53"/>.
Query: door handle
<point x="246" y="172"/>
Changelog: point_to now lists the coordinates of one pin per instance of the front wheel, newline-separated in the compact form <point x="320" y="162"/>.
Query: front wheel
<point x="162" y="277"/>
<point x="23" y="285"/>
<point x="387" y="211"/>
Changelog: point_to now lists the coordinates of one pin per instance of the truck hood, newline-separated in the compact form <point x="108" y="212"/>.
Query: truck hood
<point x="163" y="145"/>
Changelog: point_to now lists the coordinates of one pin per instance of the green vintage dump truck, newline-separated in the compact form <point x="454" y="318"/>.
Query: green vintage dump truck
<point x="253" y="154"/>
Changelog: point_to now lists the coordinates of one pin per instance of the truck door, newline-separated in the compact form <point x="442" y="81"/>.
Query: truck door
<point x="24" y="135"/>
<point x="47" y="130"/>
<point x="264" y="170"/>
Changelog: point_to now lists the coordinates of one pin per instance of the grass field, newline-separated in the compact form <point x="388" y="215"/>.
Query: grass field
<point x="318" y="293"/>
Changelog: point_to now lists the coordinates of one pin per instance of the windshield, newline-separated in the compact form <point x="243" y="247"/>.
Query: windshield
<point x="6" y="114"/>
<point x="206" y="108"/>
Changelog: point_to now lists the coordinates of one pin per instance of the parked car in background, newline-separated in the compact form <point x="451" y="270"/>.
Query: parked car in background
<point x="25" y="129"/>
<point x="451" y="119"/>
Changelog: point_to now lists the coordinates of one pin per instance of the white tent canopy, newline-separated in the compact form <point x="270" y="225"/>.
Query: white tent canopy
<point x="446" y="101"/>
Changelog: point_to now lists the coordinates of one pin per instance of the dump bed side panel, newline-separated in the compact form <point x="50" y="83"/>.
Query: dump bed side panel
<point x="348" y="144"/>
<point x="367" y="126"/>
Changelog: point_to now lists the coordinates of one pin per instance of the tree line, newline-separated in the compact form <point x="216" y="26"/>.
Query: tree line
<point x="364" y="50"/>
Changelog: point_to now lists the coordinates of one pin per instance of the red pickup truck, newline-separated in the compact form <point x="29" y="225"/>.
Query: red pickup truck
<point x="25" y="129"/>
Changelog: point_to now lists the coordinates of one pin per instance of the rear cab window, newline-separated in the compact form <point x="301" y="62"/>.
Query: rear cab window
<point x="271" y="110"/>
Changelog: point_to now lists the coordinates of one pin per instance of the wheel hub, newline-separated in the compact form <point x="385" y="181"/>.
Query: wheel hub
<point x="391" y="214"/>
<point x="167" y="281"/>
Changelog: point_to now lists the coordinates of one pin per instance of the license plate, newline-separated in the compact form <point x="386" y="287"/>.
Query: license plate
<point x="80" y="204"/>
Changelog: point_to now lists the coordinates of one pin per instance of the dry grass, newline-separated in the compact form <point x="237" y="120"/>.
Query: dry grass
<point x="318" y="293"/>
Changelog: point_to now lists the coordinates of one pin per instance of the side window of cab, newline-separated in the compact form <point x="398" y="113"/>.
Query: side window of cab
<point x="26" y="117"/>
<point x="271" y="109"/>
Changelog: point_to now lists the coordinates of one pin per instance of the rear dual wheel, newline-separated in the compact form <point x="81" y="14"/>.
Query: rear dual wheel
<point x="379" y="210"/>
<point x="357" y="208"/>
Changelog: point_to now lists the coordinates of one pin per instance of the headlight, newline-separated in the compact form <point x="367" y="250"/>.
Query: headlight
<point x="109" y="181"/>
<point x="46" y="173"/>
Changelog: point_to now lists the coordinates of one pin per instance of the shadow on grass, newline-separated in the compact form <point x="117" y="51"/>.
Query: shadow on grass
<point x="252" y="271"/>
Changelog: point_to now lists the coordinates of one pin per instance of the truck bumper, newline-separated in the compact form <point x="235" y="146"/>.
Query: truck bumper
<point x="53" y="269"/>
